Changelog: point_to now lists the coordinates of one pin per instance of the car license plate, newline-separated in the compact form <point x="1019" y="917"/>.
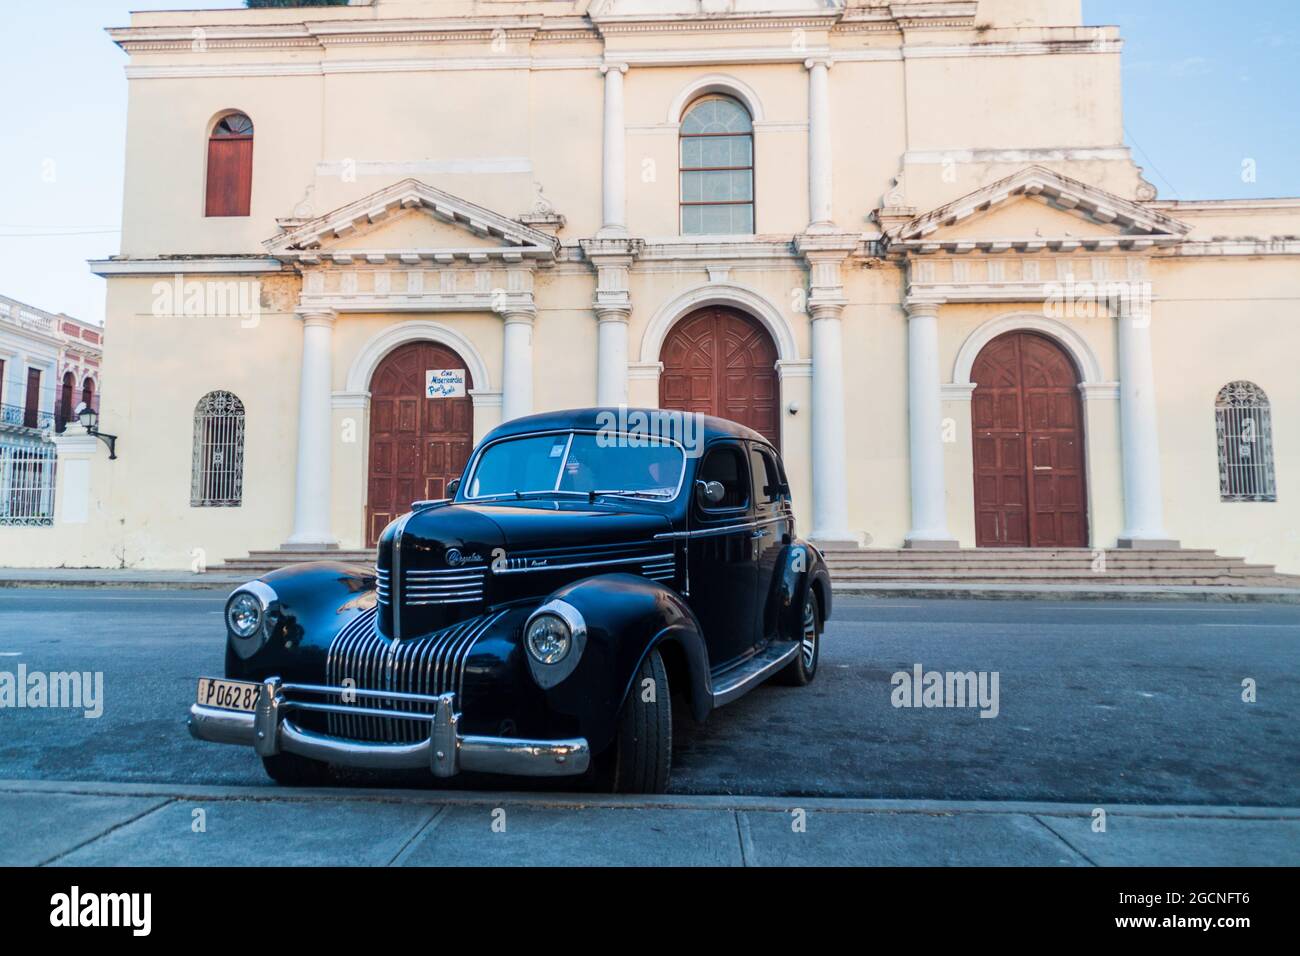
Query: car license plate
<point x="228" y="694"/>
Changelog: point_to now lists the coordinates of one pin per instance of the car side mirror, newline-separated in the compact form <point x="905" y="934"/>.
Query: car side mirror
<point x="710" y="493"/>
<point x="453" y="486"/>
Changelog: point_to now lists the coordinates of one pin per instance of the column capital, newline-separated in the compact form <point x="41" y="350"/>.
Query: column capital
<point x="607" y="68"/>
<point x="814" y="61"/>
<point x="316" y="317"/>
<point x="922" y="308"/>
<point x="613" y="313"/>
<point x="516" y="315"/>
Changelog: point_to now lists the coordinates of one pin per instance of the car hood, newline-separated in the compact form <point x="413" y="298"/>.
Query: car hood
<point x="536" y="526"/>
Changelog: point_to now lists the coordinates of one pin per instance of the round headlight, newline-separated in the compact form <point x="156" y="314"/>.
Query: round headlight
<point x="244" y="615"/>
<point x="548" y="639"/>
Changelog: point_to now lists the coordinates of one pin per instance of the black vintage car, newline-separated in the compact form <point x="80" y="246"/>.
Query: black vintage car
<point x="589" y="565"/>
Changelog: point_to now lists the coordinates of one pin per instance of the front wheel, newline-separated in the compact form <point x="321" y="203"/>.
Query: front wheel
<point x="640" y="758"/>
<point x="801" y="671"/>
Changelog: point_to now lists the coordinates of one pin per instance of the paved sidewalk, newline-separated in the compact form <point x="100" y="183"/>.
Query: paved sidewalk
<point x="126" y="578"/>
<point x="75" y="824"/>
<point x="115" y="578"/>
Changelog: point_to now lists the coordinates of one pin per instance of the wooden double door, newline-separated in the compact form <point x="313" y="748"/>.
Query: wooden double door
<point x="1026" y="415"/>
<point x="722" y="362"/>
<point x="417" y="444"/>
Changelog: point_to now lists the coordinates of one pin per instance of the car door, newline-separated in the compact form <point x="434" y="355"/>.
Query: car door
<point x="721" y="557"/>
<point x="773" y="530"/>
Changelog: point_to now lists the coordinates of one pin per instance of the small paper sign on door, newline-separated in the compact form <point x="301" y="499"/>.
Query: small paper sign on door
<point x="444" y="383"/>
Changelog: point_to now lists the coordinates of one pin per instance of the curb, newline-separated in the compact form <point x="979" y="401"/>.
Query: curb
<point x="584" y="801"/>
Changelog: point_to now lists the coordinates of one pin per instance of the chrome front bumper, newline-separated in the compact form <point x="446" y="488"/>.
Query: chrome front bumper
<point x="445" y="751"/>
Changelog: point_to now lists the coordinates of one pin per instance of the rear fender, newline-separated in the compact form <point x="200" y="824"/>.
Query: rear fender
<point x="799" y="568"/>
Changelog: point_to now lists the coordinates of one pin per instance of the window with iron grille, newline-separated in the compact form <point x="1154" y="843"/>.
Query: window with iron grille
<point x="717" y="168"/>
<point x="1244" y="424"/>
<point x="218" y="478"/>
<point x="27" y="482"/>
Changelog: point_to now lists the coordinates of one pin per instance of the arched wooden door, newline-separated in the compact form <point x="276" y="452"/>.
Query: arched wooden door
<point x="719" y="361"/>
<point x="417" y="443"/>
<point x="1027" y="418"/>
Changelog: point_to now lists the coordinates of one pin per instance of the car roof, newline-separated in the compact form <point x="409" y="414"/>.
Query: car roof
<point x="651" y="421"/>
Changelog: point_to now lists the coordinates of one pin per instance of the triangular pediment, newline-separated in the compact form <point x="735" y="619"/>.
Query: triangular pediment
<point x="412" y="219"/>
<point x="1040" y="207"/>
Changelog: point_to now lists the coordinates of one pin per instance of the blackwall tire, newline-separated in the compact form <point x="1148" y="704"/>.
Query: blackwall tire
<point x="801" y="671"/>
<point x="640" y="759"/>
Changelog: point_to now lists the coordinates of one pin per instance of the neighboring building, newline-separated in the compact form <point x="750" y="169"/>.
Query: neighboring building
<point x="48" y="365"/>
<point x="904" y="239"/>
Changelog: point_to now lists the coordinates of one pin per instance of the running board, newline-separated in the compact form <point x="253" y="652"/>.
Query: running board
<point x="753" y="672"/>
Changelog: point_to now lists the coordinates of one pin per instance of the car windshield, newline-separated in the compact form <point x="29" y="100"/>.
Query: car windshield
<point x="578" y="464"/>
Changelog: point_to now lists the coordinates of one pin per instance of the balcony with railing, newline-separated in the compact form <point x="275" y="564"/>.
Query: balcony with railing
<point x="18" y="416"/>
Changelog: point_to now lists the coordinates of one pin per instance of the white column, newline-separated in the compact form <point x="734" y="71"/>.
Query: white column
<point x="1144" y="520"/>
<point x="830" y="469"/>
<point x="611" y="358"/>
<point x="517" y="374"/>
<point x="820" y="201"/>
<point x="312" y="501"/>
<point x="925" y="436"/>
<point x="614" y="163"/>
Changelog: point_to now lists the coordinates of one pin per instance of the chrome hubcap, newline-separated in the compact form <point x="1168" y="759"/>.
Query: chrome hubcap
<point x="808" y="643"/>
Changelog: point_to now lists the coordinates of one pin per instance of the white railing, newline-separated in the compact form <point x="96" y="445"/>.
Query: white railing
<point x="27" y="482"/>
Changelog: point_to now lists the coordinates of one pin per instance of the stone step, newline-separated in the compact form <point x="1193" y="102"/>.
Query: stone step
<point x="1000" y="554"/>
<point x="978" y="577"/>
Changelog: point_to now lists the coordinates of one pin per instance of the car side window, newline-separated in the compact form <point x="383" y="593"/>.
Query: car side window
<point x="725" y="464"/>
<point x="767" y="476"/>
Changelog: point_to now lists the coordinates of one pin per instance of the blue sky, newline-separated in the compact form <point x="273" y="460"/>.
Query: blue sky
<point x="1205" y="90"/>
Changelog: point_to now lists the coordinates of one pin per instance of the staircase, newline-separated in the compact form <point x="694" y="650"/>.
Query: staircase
<point x="260" y="562"/>
<point x="997" y="566"/>
<point x="1026" y="566"/>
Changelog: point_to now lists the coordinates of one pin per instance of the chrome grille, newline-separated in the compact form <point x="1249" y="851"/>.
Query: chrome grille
<point x="450" y="586"/>
<point x="660" y="569"/>
<point x="383" y="589"/>
<point x="429" y="665"/>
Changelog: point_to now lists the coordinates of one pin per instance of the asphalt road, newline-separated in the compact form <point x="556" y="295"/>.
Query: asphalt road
<point x="1099" y="703"/>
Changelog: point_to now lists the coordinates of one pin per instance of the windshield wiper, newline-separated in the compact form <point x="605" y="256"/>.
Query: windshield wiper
<point x="593" y="495"/>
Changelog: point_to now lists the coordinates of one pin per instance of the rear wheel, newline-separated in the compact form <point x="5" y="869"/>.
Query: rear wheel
<point x="292" y="770"/>
<point x="640" y="758"/>
<point x="801" y="671"/>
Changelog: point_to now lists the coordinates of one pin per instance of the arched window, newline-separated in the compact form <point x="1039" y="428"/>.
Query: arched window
<point x="717" y="168"/>
<point x="1244" y="424"/>
<point x="218" y="477"/>
<point x="88" y="393"/>
<point x="230" y="166"/>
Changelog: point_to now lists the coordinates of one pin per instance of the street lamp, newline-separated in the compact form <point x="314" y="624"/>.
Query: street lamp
<point x="89" y="419"/>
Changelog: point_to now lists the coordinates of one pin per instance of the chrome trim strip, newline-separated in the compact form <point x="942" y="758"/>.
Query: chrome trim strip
<point x="641" y="559"/>
<point x="396" y="569"/>
<point x="718" y="531"/>
<point x="752" y="672"/>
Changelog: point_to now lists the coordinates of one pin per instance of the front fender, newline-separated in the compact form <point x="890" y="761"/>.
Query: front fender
<point x="314" y="602"/>
<point x="626" y="617"/>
